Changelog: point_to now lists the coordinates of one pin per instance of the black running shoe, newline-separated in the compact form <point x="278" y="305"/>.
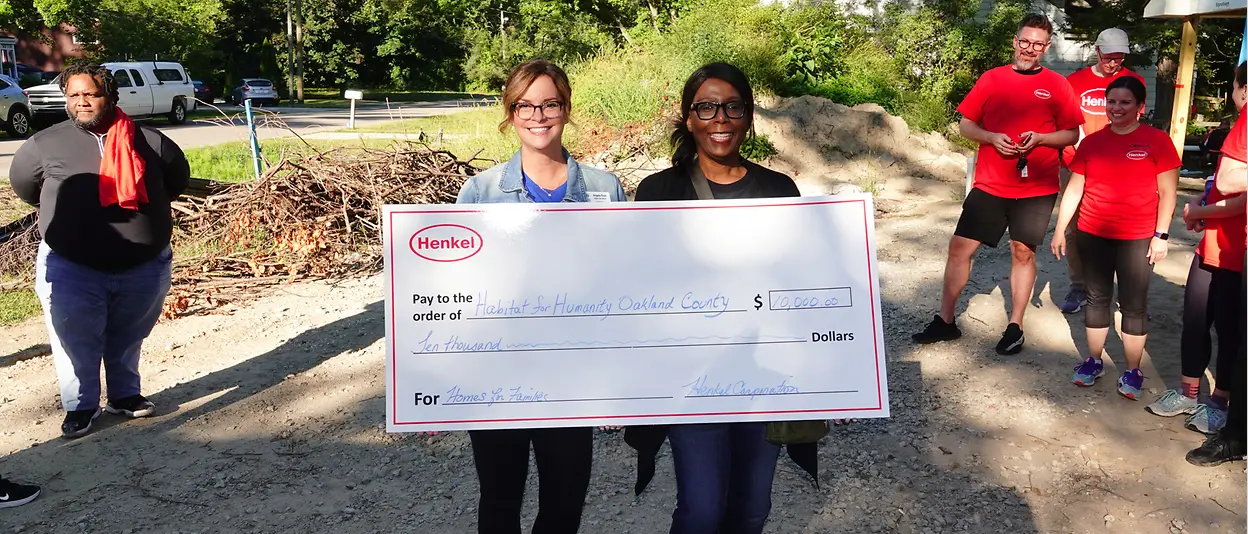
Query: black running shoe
<point x="132" y="407"/>
<point x="1011" y="340"/>
<point x="1216" y="450"/>
<point x="13" y="494"/>
<point x="937" y="330"/>
<point x="78" y="423"/>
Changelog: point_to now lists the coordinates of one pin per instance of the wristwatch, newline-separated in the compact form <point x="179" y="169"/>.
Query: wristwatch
<point x="1161" y="235"/>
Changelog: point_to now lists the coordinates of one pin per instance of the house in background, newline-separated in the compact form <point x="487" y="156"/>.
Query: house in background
<point x="49" y="52"/>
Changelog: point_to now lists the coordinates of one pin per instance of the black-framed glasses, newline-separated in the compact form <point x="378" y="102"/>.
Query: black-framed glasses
<point x="1034" y="45"/>
<point x="525" y="111"/>
<point x="708" y="110"/>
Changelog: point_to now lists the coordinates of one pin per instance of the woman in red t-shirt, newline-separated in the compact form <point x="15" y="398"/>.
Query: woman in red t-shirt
<point x="1123" y="185"/>
<point x="1219" y="256"/>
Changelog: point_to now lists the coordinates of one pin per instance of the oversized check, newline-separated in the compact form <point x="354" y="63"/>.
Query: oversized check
<point x="540" y="315"/>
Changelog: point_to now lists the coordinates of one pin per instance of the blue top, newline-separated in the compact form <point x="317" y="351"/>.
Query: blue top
<point x="538" y="193"/>
<point x="505" y="183"/>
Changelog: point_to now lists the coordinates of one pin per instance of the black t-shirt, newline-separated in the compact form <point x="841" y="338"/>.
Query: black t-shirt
<point x="746" y="187"/>
<point x="58" y="171"/>
<point x="673" y="183"/>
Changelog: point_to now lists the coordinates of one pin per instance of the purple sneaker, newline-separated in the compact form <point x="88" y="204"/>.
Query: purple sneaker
<point x="1087" y="372"/>
<point x="1130" y="384"/>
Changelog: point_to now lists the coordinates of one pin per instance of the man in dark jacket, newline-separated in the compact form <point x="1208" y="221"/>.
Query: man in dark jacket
<point x="103" y="186"/>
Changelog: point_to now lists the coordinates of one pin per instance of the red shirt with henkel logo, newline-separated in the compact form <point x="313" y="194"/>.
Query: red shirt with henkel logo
<point x="1090" y="90"/>
<point x="1236" y="147"/>
<point x="1006" y="101"/>
<point x="1120" y="181"/>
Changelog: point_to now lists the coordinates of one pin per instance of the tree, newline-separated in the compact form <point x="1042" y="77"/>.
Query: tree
<point x="123" y="29"/>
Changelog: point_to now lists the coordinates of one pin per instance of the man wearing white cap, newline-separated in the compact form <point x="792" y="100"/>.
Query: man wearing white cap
<point x="1089" y="84"/>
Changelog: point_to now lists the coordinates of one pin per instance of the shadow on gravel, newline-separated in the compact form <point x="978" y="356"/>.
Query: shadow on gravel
<point x="900" y="476"/>
<point x="28" y="353"/>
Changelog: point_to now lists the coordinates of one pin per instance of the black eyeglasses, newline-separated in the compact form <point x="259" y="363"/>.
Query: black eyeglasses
<point x="1034" y="45"/>
<point x="525" y="111"/>
<point x="708" y="110"/>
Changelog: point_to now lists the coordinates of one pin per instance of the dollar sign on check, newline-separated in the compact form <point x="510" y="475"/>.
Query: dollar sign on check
<point x="758" y="301"/>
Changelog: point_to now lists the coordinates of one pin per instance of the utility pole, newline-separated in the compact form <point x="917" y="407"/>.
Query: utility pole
<point x="290" y="55"/>
<point x="299" y="45"/>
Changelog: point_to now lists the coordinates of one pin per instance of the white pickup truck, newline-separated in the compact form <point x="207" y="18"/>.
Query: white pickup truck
<point x="144" y="88"/>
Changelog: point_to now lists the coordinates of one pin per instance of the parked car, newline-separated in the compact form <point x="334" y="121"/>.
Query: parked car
<point x="28" y="75"/>
<point x="202" y="91"/>
<point x="259" y="90"/>
<point x="14" y="108"/>
<point x="144" y="88"/>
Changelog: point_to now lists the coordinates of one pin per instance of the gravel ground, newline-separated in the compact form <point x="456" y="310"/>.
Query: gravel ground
<point x="270" y="420"/>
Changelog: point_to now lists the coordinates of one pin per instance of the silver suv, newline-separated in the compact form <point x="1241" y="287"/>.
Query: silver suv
<point x="14" y="108"/>
<point x="258" y="90"/>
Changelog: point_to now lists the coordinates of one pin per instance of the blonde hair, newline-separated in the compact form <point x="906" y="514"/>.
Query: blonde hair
<point x="523" y="76"/>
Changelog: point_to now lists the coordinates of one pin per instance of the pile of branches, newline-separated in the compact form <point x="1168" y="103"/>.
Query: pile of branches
<point x="19" y="244"/>
<point x="315" y="216"/>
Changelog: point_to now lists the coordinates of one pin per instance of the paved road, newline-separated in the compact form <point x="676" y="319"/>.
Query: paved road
<point x="205" y="131"/>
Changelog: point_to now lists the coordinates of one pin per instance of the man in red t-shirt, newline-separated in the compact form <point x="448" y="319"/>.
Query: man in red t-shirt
<point x="1089" y="85"/>
<point x="1021" y="115"/>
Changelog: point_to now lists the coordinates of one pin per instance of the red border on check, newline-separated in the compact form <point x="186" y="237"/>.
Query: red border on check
<point x="874" y="334"/>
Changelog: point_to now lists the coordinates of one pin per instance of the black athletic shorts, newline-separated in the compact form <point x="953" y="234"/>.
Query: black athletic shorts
<point x="985" y="218"/>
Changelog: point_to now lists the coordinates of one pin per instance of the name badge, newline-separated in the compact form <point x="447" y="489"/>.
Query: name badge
<point x="599" y="196"/>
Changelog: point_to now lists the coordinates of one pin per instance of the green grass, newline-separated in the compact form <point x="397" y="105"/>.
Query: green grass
<point x="231" y="162"/>
<point x="463" y="133"/>
<point x="11" y="207"/>
<point x="17" y="305"/>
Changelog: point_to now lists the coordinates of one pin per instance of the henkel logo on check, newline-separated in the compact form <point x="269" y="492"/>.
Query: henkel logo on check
<point x="1137" y="155"/>
<point x="445" y="242"/>
<point x="1042" y="94"/>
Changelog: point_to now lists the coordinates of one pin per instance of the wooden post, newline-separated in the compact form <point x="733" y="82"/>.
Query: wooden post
<point x="1183" y="83"/>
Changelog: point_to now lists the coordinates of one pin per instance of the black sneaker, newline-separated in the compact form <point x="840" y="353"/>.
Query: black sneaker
<point x="13" y="494"/>
<point x="1216" y="450"/>
<point x="132" y="407"/>
<point x="78" y="423"/>
<point x="1011" y="340"/>
<point x="937" y="330"/>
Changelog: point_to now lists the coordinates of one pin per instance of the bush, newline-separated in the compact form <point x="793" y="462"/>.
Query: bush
<point x="926" y="113"/>
<point x="637" y="83"/>
<point x="869" y="77"/>
<point x="757" y="147"/>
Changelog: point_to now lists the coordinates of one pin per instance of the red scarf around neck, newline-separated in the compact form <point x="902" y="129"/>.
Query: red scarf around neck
<point x="121" y="168"/>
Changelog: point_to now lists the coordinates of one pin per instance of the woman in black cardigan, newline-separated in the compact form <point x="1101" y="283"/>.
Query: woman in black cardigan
<point x="723" y="470"/>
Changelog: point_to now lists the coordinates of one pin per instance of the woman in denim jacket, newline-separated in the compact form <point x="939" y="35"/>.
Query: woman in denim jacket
<point x="537" y="99"/>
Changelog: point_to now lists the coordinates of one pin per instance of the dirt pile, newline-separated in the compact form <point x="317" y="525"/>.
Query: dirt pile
<point x="828" y="148"/>
<point x="822" y="144"/>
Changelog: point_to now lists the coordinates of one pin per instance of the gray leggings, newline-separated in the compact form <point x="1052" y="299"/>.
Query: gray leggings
<point x="1128" y="259"/>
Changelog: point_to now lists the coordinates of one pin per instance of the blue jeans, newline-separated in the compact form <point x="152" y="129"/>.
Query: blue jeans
<point x="723" y="477"/>
<point x="95" y="316"/>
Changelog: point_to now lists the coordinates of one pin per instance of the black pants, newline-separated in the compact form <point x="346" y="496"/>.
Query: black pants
<point x="564" y="457"/>
<point x="1127" y="258"/>
<point x="1196" y="349"/>
<point x="1236" y="303"/>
